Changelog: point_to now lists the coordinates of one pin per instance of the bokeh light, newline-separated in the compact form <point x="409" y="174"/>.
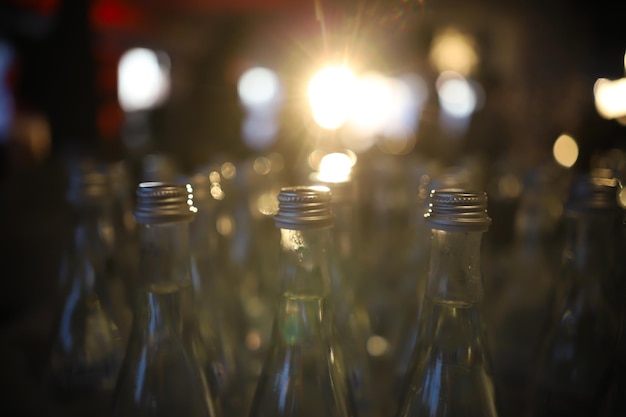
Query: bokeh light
<point x="335" y="167"/>
<point x="143" y="79"/>
<point x="331" y="94"/>
<point x="565" y="150"/>
<point x="408" y="94"/>
<point x="454" y="51"/>
<point x="610" y="98"/>
<point x="259" y="131"/>
<point x="372" y="102"/>
<point x="258" y="87"/>
<point x="456" y="95"/>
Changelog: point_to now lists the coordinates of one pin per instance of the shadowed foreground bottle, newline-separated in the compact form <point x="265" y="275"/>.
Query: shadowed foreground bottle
<point x="159" y="377"/>
<point x="449" y="373"/>
<point x="303" y="375"/>
<point x="87" y="350"/>
<point x="578" y="354"/>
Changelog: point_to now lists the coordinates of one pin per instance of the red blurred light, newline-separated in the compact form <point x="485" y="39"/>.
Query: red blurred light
<point x="115" y="14"/>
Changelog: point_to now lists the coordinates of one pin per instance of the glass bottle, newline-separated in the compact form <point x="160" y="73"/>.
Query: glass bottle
<point x="126" y="249"/>
<point x="159" y="377"/>
<point x="449" y="374"/>
<point x="415" y="267"/>
<point x="525" y="291"/>
<point x="303" y="374"/>
<point x="218" y="316"/>
<point x="577" y="355"/>
<point x="87" y="349"/>
<point x="351" y="316"/>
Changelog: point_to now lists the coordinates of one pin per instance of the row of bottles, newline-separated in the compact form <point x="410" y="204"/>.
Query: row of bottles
<point x="224" y="325"/>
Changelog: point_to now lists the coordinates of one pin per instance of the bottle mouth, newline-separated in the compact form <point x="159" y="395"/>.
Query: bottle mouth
<point x="89" y="186"/>
<point x="304" y="207"/>
<point x="458" y="210"/>
<point x="590" y="192"/>
<point x="160" y="202"/>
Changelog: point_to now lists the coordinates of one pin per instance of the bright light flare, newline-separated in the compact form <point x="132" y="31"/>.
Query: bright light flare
<point x="610" y="98"/>
<point x="372" y="103"/>
<point x="143" y="79"/>
<point x="565" y="150"/>
<point x="258" y="87"/>
<point x="331" y="94"/>
<point x="335" y="167"/>
<point x="456" y="95"/>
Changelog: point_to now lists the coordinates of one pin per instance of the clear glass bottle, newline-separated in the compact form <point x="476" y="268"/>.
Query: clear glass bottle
<point x="125" y="249"/>
<point x="578" y="352"/>
<point x="87" y="350"/>
<point x="159" y="376"/>
<point x="219" y="320"/>
<point x="303" y="374"/>
<point x="415" y="271"/>
<point x="525" y="291"/>
<point x="449" y="373"/>
<point x="351" y="316"/>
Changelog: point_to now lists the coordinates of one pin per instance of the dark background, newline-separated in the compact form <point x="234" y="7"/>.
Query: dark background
<point x="539" y="62"/>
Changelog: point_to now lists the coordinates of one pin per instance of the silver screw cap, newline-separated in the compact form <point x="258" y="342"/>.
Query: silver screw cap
<point x="88" y="186"/>
<point x="458" y="210"/>
<point x="595" y="191"/>
<point x="159" y="202"/>
<point x="304" y="207"/>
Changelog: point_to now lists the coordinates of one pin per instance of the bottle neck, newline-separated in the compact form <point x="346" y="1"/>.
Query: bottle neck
<point x="455" y="269"/>
<point x="304" y="262"/>
<point x="91" y="247"/>
<point x="164" y="256"/>
<point x="94" y="232"/>
<point x="164" y="268"/>
<point x="159" y="313"/>
<point x="591" y="245"/>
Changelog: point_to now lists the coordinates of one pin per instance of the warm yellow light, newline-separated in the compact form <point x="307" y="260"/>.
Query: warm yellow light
<point x="331" y="93"/>
<point x="453" y="51"/>
<point x="335" y="167"/>
<point x="377" y="345"/>
<point x="372" y="104"/>
<point x="610" y="97"/>
<point x="565" y="150"/>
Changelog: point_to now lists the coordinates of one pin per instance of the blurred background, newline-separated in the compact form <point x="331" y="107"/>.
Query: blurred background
<point x="501" y="96"/>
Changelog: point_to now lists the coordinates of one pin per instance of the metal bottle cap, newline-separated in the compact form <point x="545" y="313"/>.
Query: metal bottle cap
<point x="159" y="202"/>
<point x="88" y="186"/>
<point x="595" y="191"/>
<point x="457" y="210"/>
<point x="304" y="207"/>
